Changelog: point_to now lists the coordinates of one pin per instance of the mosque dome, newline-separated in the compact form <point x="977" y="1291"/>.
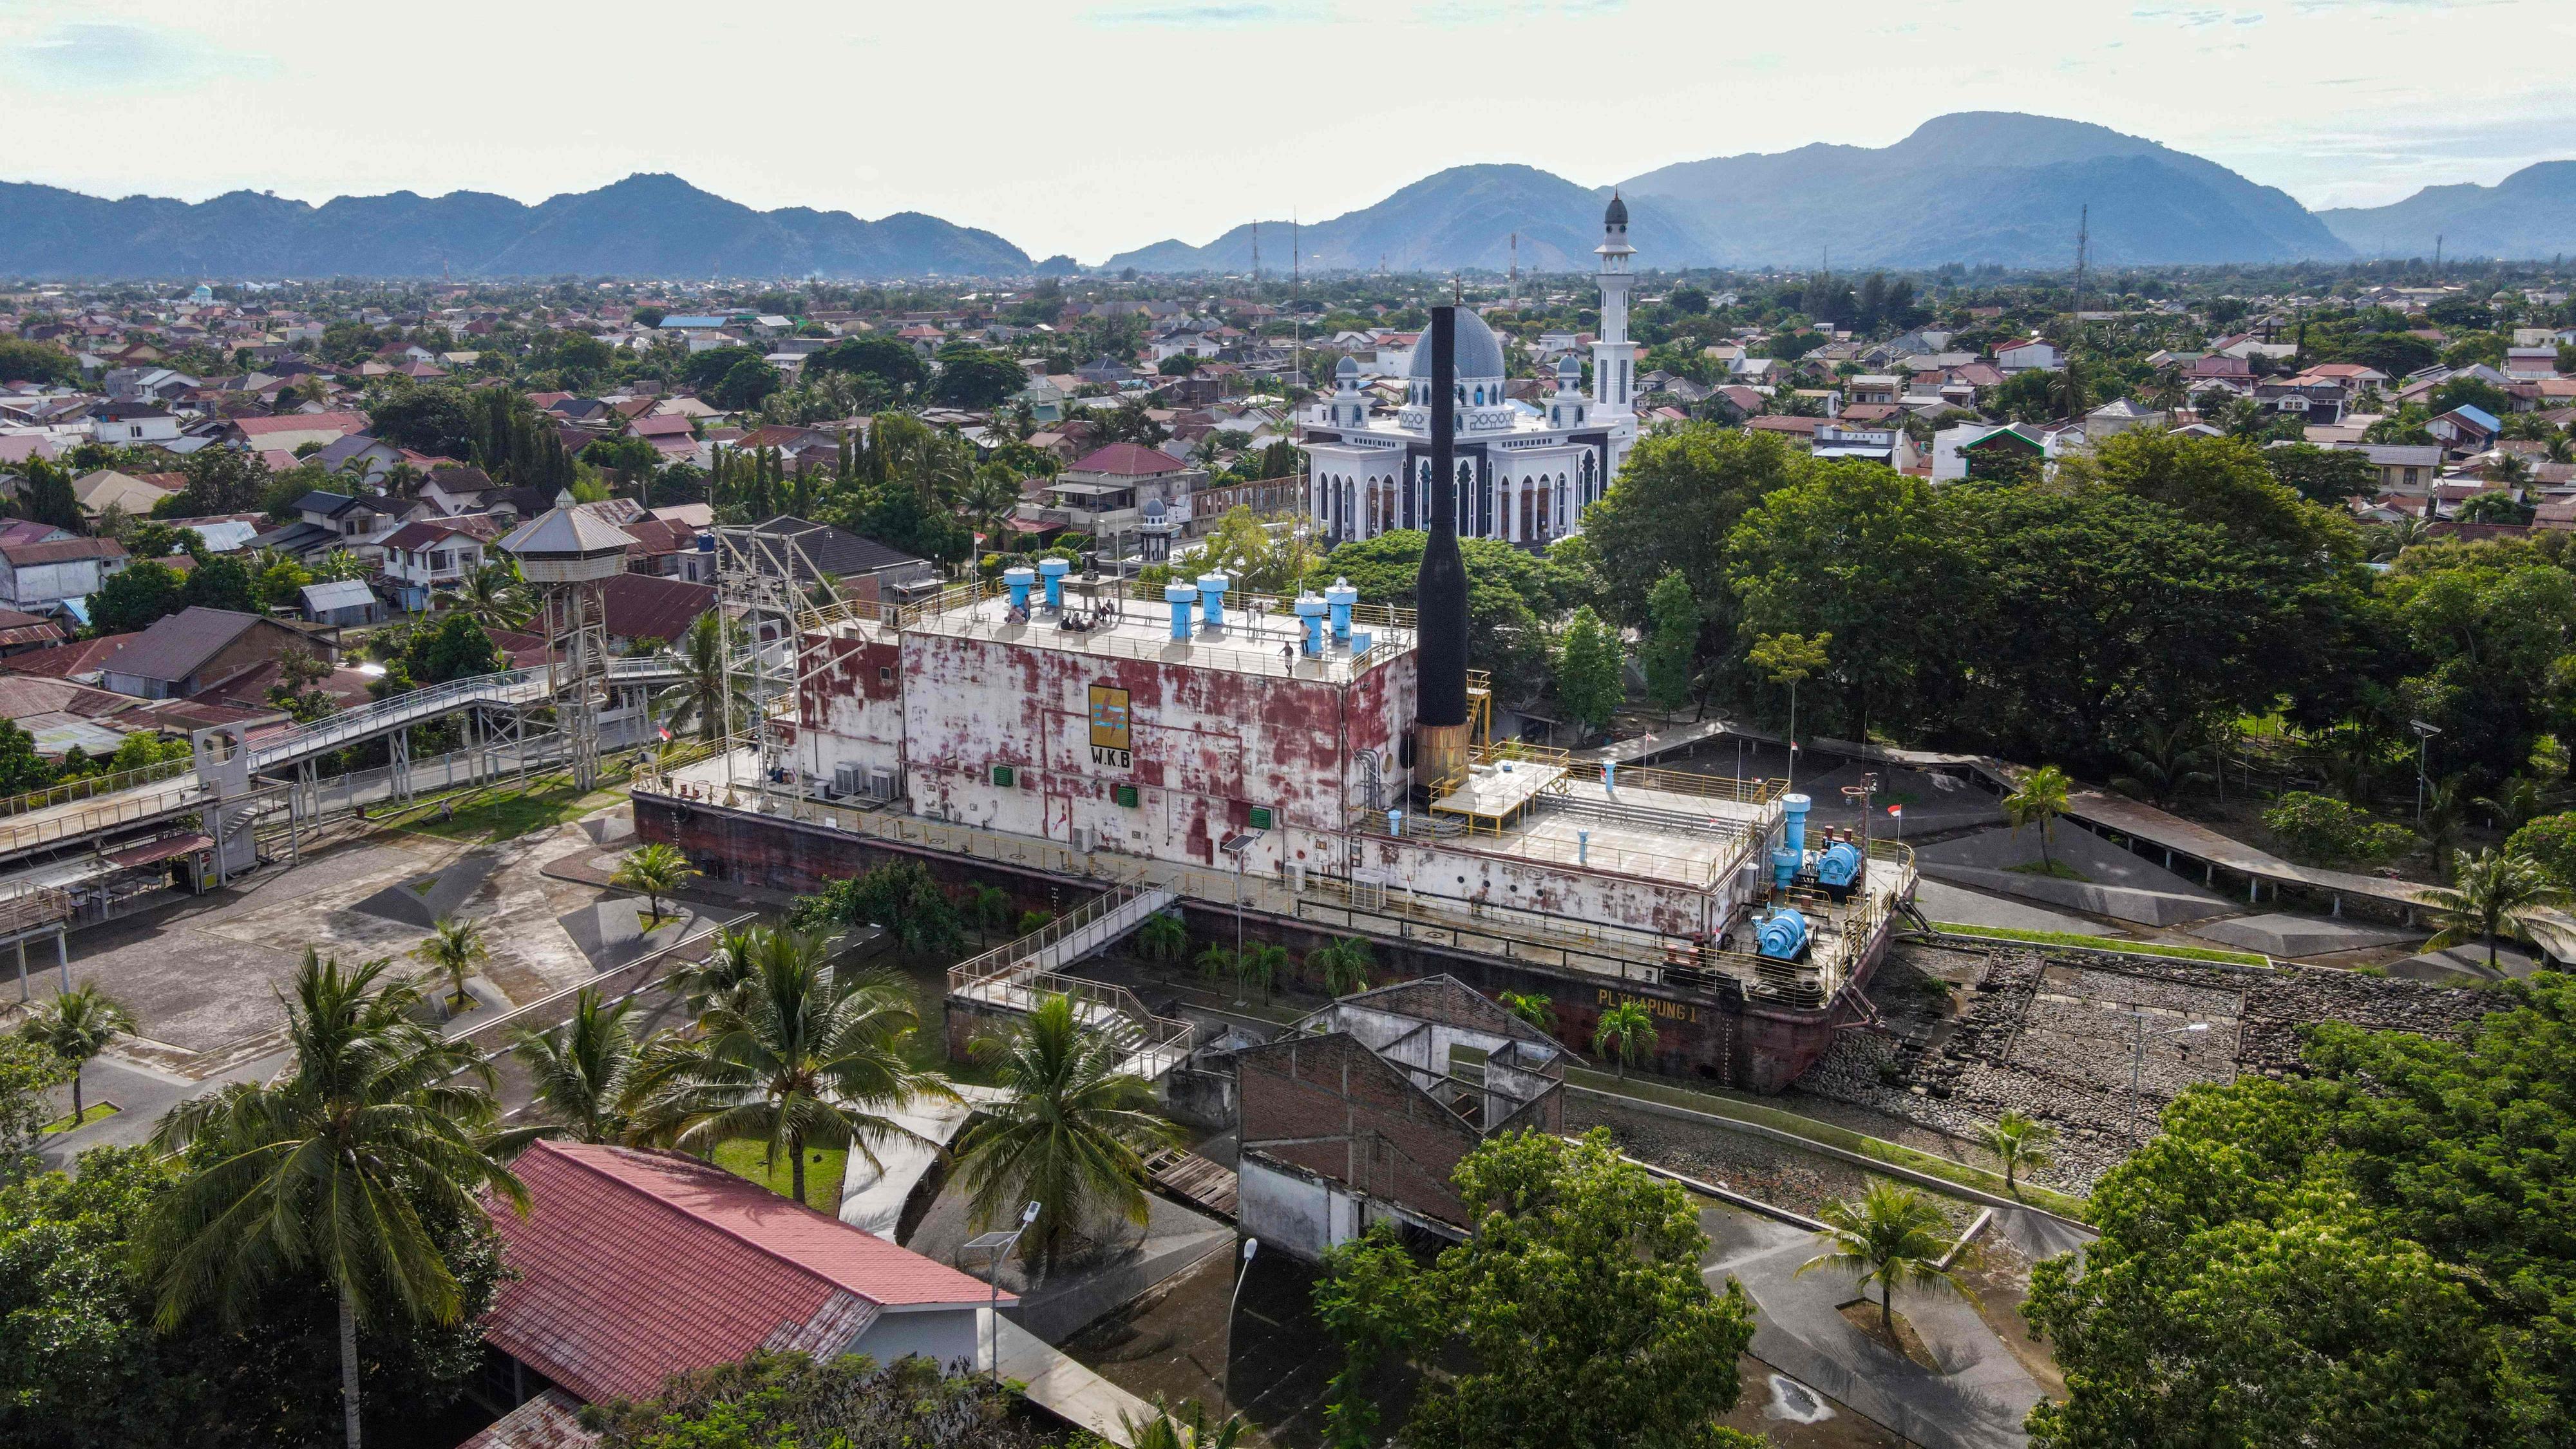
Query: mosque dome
<point x="1480" y="355"/>
<point x="1617" y="215"/>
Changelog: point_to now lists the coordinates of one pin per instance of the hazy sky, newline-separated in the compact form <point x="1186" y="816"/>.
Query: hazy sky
<point x="1090" y="126"/>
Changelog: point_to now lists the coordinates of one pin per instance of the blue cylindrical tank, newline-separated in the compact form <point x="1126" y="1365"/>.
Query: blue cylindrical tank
<point x="1839" y="865"/>
<point x="1212" y="589"/>
<point x="1020" y="581"/>
<point x="1182" y="598"/>
<point x="1053" y="571"/>
<point x="1310" y="614"/>
<point x="1339" y="599"/>
<point x="1796" y="807"/>
<point x="1783" y="936"/>
<point x="1784" y="867"/>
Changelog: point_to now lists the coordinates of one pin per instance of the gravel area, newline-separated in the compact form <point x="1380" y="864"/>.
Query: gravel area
<point x="1970" y="1035"/>
<point x="1756" y="1166"/>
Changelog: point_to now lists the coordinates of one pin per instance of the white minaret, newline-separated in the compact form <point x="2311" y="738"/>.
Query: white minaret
<point x="1614" y="357"/>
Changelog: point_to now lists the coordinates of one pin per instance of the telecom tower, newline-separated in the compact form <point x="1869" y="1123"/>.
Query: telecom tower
<point x="567" y="552"/>
<point x="769" y="592"/>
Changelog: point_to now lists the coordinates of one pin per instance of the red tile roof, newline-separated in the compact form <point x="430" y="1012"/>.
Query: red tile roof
<point x="344" y="423"/>
<point x="647" y="606"/>
<point x="1128" y="460"/>
<point x="637" y="1265"/>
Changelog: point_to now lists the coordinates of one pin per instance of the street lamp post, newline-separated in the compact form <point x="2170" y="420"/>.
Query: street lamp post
<point x="1240" y="847"/>
<point x="998" y="1246"/>
<point x="2423" y="757"/>
<point x="1250" y="1247"/>
<point x="2138" y="1058"/>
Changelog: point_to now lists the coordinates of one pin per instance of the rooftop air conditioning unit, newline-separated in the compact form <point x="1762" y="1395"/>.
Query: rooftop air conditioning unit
<point x="1085" y="839"/>
<point x="848" y="778"/>
<point x="880" y="782"/>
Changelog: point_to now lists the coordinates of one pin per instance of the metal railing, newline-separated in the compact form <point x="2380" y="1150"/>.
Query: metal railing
<point x="128" y="808"/>
<point x="1001" y="960"/>
<point x="92" y="786"/>
<point x="1015" y="977"/>
<point x="1755" y="792"/>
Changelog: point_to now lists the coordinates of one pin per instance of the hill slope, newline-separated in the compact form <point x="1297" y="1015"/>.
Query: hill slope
<point x="2528" y="215"/>
<point x="641" y="226"/>
<point x="1983" y="186"/>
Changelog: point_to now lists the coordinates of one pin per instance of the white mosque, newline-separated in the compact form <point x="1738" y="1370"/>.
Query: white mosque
<point x="1525" y="473"/>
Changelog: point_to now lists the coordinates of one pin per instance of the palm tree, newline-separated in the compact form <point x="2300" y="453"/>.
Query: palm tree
<point x="1186" y="1427"/>
<point x="581" y="1071"/>
<point x="700" y="694"/>
<point x="325" y="1168"/>
<point x="1343" y="964"/>
<point x="453" y="949"/>
<point x="2164" y="763"/>
<point x="1216" y="963"/>
<point x="1891" y="1235"/>
<point x="1626" y="1033"/>
<point x="2486" y="890"/>
<point x="1163" y="937"/>
<point x="733" y="960"/>
<point x="1071" y="1133"/>
<point x="804" y="1055"/>
<point x="76" y="1026"/>
<point x="1539" y="1011"/>
<point x="992" y="497"/>
<point x="339" y="566"/>
<point x="1258" y="966"/>
<point x="2040" y="798"/>
<point x="492" y="596"/>
<point x="2518" y="800"/>
<point x="2446" y="808"/>
<point x="2019" y="1141"/>
<point x="657" y="870"/>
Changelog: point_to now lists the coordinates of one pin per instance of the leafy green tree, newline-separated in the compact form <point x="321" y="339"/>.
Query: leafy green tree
<point x="1890" y="1235"/>
<point x="221" y="581"/>
<point x="2039" y="798"/>
<point x="1376" y="1302"/>
<point x="1671" y="509"/>
<point x="804" y="1054"/>
<point x="1790" y="659"/>
<point x="1071" y="1133"/>
<point x="76" y="1026"/>
<point x="1670" y="655"/>
<point x="900" y="898"/>
<point x="1588" y="671"/>
<point x="2369" y="1253"/>
<point x="2550" y="840"/>
<point x="24" y="361"/>
<point x="329" y="1170"/>
<point x="745" y="385"/>
<point x="2487" y="891"/>
<point x="46" y="496"/>
<point x="453" y="648"/>
<point x="892" y="362"/>
<point x="220" y="480"/>
<point x="1580" y="1301"/>
<point x="2327" y="476"/>
<point x="281" y="584"/>
<point x="972" y="377"/>
<point x="135" y="596"/>
<point x="582" y="1070"/>
<point x="989" y="907"/>
<point x="435" y="420"/>
<point x="28" y="1072"/>
<point x="22" y="770"/>
<point x="2329" y="831"/>
<point x="774" y="1400"/>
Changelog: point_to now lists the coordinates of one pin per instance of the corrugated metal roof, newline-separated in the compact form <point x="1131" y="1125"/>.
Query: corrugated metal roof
<point x="338" y="594"/>
<point x="178" y="645"/>
<point x="563" y="533"/>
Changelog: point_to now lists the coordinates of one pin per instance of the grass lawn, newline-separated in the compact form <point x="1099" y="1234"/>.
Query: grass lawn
<point x="2053" y="869"/>
<point x="2101" y="943"/>
<point x="748" y="1157"/>
<point x="549" y="801"/>
<point x="93" y="1112"/>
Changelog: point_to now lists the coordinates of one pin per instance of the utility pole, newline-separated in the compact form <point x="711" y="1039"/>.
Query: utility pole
<point x="2437" y="256"/>
<point x="2083" y="242"/>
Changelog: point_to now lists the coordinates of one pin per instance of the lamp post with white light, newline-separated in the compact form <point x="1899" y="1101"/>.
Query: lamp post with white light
<point x="2423" y="758"/>
<point x="1250" y="1247"/>
<point x="2138" y="1058"/>
<point x="998" y="1247"/>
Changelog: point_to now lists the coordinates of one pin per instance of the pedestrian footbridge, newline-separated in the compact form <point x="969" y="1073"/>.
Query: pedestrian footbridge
<point x="1016" y="977"/>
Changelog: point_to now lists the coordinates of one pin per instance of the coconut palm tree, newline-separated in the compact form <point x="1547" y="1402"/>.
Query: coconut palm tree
<point x="1533" y="1008"/>
<point x="2485" y="892"/>
<point x="2515" y="802"/>
<point x="2446" y="809"/>
<point x="1216" y="963"/>
<point x="805" y="1054"/>
<point x="1344" y="965"/>
<point x="1163" y="937"/>
<point x="733" y="960"/>
<point x="1257" y="967"/>
<point x="581" y="1071"/>
<point x="76" y="1026"/>
<point x="324" y="1169"/>
<point x="657" y="870"/>
<point x="990" y="498"/>
<point x="2018" y="1141"/>
<point x="1071" y="1133"/>
<point x="493" y="596"/>
<point x="2163" y="763"/>
<point x="2039" y="799"/>
<point x="1625" y="1033"/>
<point x="1891" y="1235"/>
<point x="700" y="694"/>
<point x="453" y="949"/>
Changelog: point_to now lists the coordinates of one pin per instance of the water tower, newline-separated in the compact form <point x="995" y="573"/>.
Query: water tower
<point x="566" y="552"/>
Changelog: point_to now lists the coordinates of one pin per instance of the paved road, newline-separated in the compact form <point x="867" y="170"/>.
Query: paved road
<point x="1975" y="1401"/>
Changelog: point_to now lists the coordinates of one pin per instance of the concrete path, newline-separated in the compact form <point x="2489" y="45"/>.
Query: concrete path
<point x="1066" y="1389"/>
<point x="1942" y="901"/>
<point x="142" y="1094"/>
<point x="1976" y="1400"/>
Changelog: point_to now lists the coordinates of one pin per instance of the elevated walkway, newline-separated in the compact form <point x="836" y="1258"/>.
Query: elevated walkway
<point x="1016" y="977"/>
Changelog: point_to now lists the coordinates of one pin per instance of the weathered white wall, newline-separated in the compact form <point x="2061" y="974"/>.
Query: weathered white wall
<point x="942" y="1335"/>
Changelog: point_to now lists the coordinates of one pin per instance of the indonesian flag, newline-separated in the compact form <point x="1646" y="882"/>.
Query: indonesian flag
<point x="1896" y="810"/>
<point x="665" y="732"/>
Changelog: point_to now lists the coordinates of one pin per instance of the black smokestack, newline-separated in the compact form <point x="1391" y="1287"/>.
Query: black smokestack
<point x="1440" y="590"/>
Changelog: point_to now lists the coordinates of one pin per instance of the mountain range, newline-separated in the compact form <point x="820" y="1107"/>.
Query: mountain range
<point x="1976" y="187"/>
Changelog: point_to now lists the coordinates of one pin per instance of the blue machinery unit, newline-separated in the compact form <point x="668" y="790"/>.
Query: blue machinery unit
<point x="1783" y="937"/>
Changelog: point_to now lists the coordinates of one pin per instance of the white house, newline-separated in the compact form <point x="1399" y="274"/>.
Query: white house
<point x="128" y="424"/>
<point x="36" y="578"/>
<point x="422" y="558"/>
<point x="2027" y="355"/>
